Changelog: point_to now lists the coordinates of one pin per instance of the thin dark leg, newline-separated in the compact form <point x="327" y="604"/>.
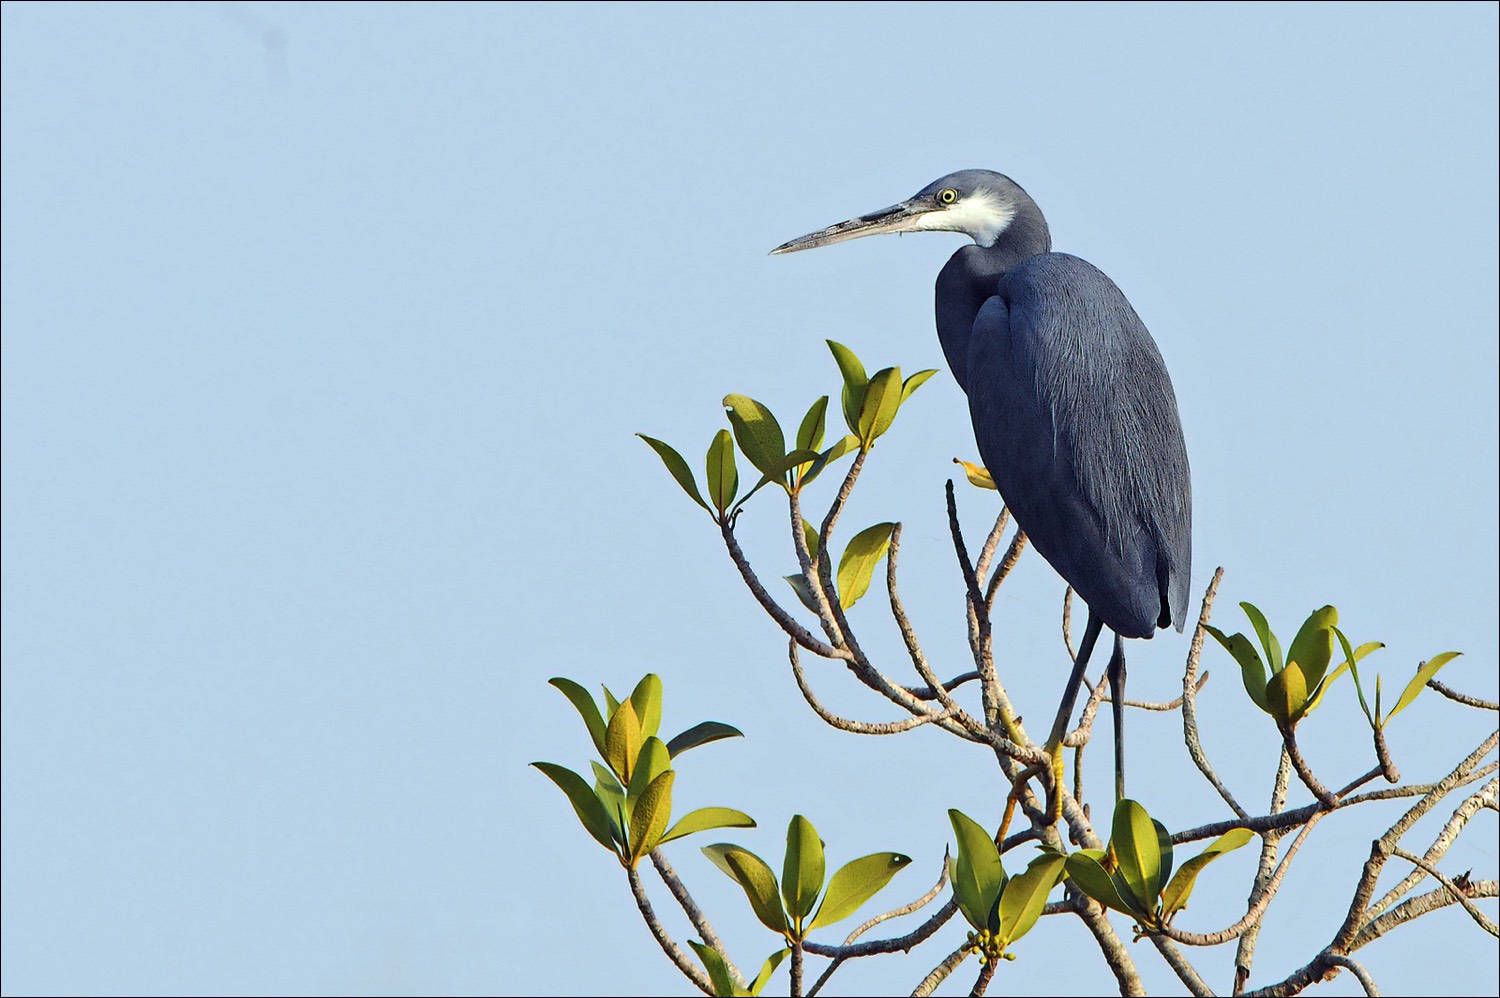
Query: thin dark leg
<point x="1070" y="695"/>
<point x="1117" y="702"/>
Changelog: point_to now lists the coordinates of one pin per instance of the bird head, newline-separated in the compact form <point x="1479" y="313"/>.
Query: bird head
<point x="979" y="203"/>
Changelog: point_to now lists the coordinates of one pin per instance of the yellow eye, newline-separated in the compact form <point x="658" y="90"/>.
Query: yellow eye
<point x="947" y="196"/>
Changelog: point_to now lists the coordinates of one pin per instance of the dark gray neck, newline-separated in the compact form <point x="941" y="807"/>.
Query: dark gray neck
<point x="972" y="275"/>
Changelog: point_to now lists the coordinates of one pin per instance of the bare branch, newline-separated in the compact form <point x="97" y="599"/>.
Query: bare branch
<point x="1184" y="970"/>
<point x="1479" y="917"/>
<point x="940" y="972"/>
<point x="784" y="620"/>
<point x="809" y="572"/>
<point x="844" y="723"/>
<point x="691" y="909"/>
<point x="1463" y="698"/>
<point x="991" y="543"/>
<point x="674" y="952"/>
<point x="1416" y="907"/>
<point x="1190" y="704"/>
<point x="1360" y="973"/>
<point x="1002" y="571"/>
<point x="986" y="974"/>
<point x="1455" y="825"/>
<point x="902" y="944"/>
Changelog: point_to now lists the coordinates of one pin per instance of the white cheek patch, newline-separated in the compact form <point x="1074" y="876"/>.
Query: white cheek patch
<point x="982" y="215"/>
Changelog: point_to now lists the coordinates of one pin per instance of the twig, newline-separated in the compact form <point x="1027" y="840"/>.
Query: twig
<point x="991" y="543"/>
<point x="1486" y="797"/>
<point x="1184" y="970"/>
<point x="1360" y="973"/>
<point x="928" y="692"/>
<point x="796" y="969"/>
<point x="1190" y="703"/>
<point x="986" y="974"/>
<point x="809" y="572"/>
<point x="844" y="723"/>
<point x="1463" y="698"/>
<point x="1244" y="956"/>
<point x="902" y="944"/>
<point x="691" y="909"/>
<point x="1479" y="917"/>
<point x="784" y="620"/>
<point x="1416" y="907"/>
<point x="1002" y="571"/>
<point x="1304" y="771"/>
<point x="940" y="972"/>
<point x="905" y="909"/>
<point x="674" y="952"/>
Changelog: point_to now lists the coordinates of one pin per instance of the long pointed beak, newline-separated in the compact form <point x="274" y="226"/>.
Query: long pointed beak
<point x="904" y="217"/>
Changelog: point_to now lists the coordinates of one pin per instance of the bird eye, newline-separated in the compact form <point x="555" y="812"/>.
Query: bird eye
<point x="947" y="195"/>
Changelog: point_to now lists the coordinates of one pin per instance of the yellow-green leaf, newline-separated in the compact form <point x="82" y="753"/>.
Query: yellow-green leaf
<point x="653" y="760"/>
<point x="1025" y="895"/>
<point x="585" y="804"/>
<point x="914" y="382"/>
<point x="1267" y="636"/>
<point x="802" y="869"/>
<point x="755" y="878"/>
<point x="584" y="704"/>
<point x="646" y="699"/>
<point x="978" y="475"/>
<point x="677" y="466"/>
<point x="1088" y="873"/>
<point x="853" y="373"/>
<point x="649" y="819"/>
<point x="1175" y="897"/>
<point x="757" y="431"/>
<point x="810" y="432"/>
<point x="1286" y="694"/>
<point x="1419" y="681"/>
<point x="704" y="818"/>
<point x="858" y="563"/>
<point x="1252" y="670"/>
<point x="1138" y="853"/>
<point x="622" y="741"/>
<point x="723" y="476"/>
<point x="856" y="882"/>
<point x="1312" y="648"/>
<point x="878" y="409"/>
<point x="977" y="874"/>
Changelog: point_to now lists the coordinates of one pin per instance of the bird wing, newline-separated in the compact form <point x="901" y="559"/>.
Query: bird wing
<point x="1076" y="420"/>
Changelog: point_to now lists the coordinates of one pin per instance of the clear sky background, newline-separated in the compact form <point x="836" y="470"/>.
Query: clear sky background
<point x="326" y="332"/>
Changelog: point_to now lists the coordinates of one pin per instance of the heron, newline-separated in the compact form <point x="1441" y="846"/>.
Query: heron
<point x="1073" y="412"/>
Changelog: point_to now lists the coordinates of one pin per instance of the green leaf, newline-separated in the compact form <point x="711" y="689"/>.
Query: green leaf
<point x="755" y="878"/>
<point x="612" y="795"/>
<point x="701" y="734"/>
<point x="1286" y="695"/>
<point x="718" y="969"/>
<point x="1351" y="659"/>
<point x="1251" y="669"/>
<point x="677" y="466"/>
<point x="802" y="870"/>
<point x="864" y="552"/>
<point x="757" y="431"/>
<point x="1025" y="895"/>
<point x="854" y="382"/>
<point x="622" y="741"/>
<point x="646" y="699"/>
<point x="810" y="433"/>
<point x="845" y="445"/>
<point x="1267" y="636"/>
<point x="705" y="818"/>
<point x="978" y="476"/>
<point x="1175" y="897"/>
<point x="803" y="590"/>
<point x="723" y="476"/>
<point x="914" y="382"/>
<point x="1088" y="874"/>
<point x="766" y="970"/>
<point x="584" y="704"/>
<point x="611" y="703"/>
<point x="588" y="807"/>
<point x="649" y="819"/>
<point x="1164" y="849"/>
<point x="978" y="875"/>
<point x="1316" y="696"/>
<point x="855" y="883"/>
<point x="1419" y="681"/>
<point x="878" y="409"/>
<point x="652" y="761"/>
<point x="1137" y="853"/>
<point x="1312" y="648"/>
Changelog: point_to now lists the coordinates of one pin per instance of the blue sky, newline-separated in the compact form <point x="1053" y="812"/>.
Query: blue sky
<point x="322" y="365"/>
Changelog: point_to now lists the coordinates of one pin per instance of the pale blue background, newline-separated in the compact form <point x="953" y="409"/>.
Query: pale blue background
<point x="322" y="360"/>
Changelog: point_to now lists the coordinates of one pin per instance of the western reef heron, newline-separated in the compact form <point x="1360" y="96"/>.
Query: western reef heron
<point x="1073" y="412"/>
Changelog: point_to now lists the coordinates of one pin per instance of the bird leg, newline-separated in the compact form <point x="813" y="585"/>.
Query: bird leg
<point x="1054" y="744"/>
<point x="1117" y="704"/>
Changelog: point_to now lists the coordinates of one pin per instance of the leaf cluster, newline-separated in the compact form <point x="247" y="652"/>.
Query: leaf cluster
<point x="629" y="805"/>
